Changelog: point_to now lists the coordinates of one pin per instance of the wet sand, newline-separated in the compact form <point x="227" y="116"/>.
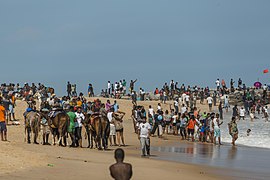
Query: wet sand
<point x="242" y="162"/>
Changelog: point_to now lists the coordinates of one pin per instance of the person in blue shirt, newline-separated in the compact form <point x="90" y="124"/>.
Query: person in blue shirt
<point x="115" y="106"/>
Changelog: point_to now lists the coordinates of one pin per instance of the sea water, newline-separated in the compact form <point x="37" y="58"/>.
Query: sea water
<point x="258" y="137"/>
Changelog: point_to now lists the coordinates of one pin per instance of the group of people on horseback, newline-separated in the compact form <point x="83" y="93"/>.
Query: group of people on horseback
<point x="65" y="118"/>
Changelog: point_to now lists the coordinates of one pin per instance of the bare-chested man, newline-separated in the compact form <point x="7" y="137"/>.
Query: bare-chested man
<point x="120" y="170"/>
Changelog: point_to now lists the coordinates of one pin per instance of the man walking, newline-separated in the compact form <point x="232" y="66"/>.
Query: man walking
<point x="144" y="137"/>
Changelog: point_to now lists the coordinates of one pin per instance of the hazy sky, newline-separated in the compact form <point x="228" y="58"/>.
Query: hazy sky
<point x="190" y="41"/>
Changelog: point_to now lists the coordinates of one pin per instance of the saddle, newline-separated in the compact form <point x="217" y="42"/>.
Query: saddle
<point x="53" y="114"/>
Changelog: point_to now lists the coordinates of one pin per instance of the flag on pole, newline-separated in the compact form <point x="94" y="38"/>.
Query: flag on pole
<point x="265" y="71"/>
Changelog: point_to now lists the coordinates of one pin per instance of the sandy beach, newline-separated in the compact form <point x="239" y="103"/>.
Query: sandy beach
<point x="20" y="160"/>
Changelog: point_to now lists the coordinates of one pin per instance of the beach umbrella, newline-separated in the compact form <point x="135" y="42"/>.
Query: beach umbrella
<point x="258" y="84"/>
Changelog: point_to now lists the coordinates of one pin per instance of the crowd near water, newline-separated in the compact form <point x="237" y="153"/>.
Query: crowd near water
<point x="66" y="116"/>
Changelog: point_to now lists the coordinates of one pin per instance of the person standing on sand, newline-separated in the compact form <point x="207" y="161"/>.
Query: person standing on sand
<point x="134" y="98"/>
<point x="68" y="89"/>
<point x="240" y="84"/>
<point x="3" y="126"/>
<point x="144" y="137"/>
<point x="91" y="90"/>
<point x="232" y="85"/>
<point x="119" y="128"/>
<point x="78" y="127"/>
<point x="233" y="130"/>
<point x="120" y="170"/>
<point x="218" y="84"/>
<point x="71" y="126"/>
<point x="115" y="106"/>
<point x="131" y="85"/>
<point x="109" y="88"/>
<point x="112" y="136"/>
<point x="210" y="102"/>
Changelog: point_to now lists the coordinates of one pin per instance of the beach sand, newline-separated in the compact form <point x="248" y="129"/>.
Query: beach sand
<point x="20" y="160"/>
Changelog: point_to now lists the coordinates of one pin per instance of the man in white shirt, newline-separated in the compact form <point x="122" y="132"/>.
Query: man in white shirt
<point x="183" y="109"/>
<point x="183" y="97"/>
<point x="112" y="127"/>
<point x="151" y="111"/>
<point x="144" y="137"/>
<point x="109" y="87"/>
<point x="187" y="100"/>
<point x="78" y="127"/>
<point x="218" y="84"/>
<point x="164" y="97"/>
<point x="216" y="124"/>
<point x="159" y="107"/>
<point x="226" y="103"/>
<point x="210" y="102"/>
<point x="176" y="105"/>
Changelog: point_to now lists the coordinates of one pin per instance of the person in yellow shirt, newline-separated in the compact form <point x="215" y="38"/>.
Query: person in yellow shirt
<point x="79" y="102"/>
<point x="3" y="127"/>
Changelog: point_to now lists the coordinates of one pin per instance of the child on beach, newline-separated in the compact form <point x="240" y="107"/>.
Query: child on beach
<point x="242" y="113"/>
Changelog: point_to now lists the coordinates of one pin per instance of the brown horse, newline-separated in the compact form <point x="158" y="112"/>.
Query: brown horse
<point x="89" y="133"/>
<point x="59" y="125"/>
<point x="32" y="125"/>
<point x="99" y="129"/>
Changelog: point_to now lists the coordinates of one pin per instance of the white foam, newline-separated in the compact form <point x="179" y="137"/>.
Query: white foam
<point x="259" y="135"/>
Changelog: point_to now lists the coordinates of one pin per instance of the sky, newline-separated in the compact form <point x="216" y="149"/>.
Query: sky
<point x="154" y="41"/>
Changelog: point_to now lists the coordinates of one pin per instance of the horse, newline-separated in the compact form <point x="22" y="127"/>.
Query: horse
<point x="90" y="133"/>
<point x="99" y="129"/>
<point x="59" y="125"/>
<point x="32" y="125"/>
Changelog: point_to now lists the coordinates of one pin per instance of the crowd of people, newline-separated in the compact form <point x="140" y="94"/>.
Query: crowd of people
<point x="183" y="118"/>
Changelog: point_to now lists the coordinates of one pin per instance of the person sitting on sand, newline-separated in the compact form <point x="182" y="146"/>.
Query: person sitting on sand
<point x="120" y="170"/>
